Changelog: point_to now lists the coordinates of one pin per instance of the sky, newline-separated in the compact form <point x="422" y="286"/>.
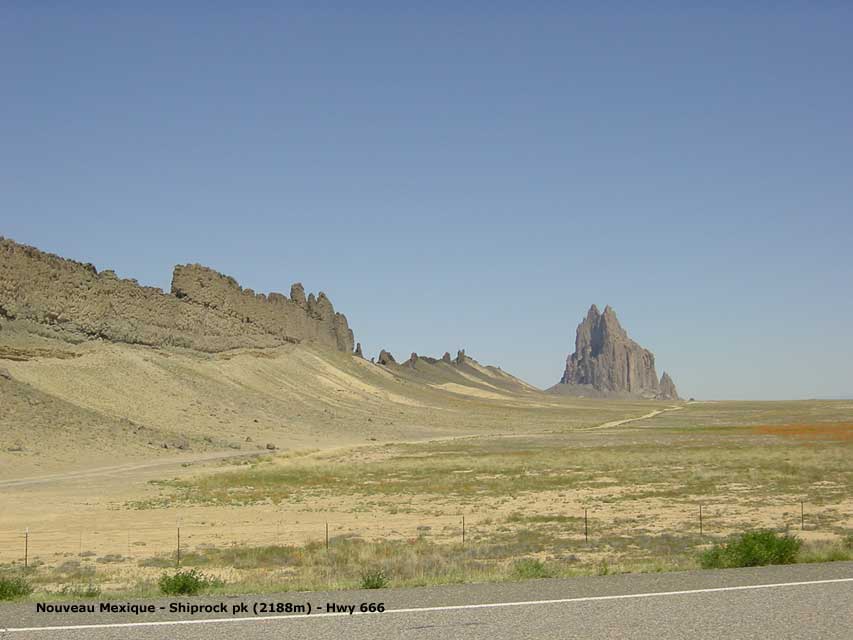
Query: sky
<point x="462" y="175"/>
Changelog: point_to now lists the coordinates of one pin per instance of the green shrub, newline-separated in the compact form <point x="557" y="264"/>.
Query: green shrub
<point x="374" y="580"/>
<point x="11" y="588"/>
<point x="530" y="568"/>
<point x="752" y="549"/>
<point x="184" y="583"/>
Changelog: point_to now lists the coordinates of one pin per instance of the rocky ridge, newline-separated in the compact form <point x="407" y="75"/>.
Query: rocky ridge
<point x="385" y="358"/>
<point x="206" y="311"/>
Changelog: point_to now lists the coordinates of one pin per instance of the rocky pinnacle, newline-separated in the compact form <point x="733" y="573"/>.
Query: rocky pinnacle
<point x="607" y="361"/>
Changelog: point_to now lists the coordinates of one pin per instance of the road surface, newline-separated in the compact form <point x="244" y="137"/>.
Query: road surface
<point x="798" y="601"/>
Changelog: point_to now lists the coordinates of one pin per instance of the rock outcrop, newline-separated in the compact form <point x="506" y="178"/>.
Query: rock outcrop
<point x="606" y="362"/>
<point x="666" y="388"/>
<point x="313" y="319"/>
<point x="412" y="361"/>
<point x="385" y="358"/>
<point x="358" y="352"/>
<point x="206" y="310"/>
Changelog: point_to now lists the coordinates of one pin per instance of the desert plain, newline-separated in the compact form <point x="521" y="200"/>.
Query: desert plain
<point x="300" y="467"/>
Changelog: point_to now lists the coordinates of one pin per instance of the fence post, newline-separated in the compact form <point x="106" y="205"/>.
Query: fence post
<point x="802" y="516"/>
<point x="585" y="525"/>
<point x="327" y="535"/>
<point x="463" y="529"/>
<point x="178" y="562"/>
<point x="26" y="547"/>
<point x="700" y="521"/>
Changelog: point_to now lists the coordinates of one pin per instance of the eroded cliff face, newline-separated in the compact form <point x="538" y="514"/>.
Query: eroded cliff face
<point x="206" y="311"/>
<point x="608" y="362"/>
<point x="312" y="318"/>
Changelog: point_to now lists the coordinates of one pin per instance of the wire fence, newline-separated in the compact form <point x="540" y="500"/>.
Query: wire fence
<point x="134" y="543"/>
<point x="112" y="544"/>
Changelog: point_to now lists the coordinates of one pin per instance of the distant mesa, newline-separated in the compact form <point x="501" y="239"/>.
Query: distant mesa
<point x="607" y="363"/>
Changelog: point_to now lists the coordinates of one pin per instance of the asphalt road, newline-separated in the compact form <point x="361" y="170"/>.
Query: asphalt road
<point x="799" y="601"/>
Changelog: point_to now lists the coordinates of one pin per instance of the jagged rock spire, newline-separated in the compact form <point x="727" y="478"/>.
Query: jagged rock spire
<point x="607" y="361"/>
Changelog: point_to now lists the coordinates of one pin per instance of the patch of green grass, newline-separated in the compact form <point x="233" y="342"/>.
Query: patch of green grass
<point x="752" y="549"/>
<point x="529" y="568"/>
<point x="515" y="543"/>
<point x="658" y="465"/>
<point x="825" y="552"/>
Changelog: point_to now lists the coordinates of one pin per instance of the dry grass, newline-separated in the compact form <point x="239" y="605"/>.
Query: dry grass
<point x="413" y="562"/>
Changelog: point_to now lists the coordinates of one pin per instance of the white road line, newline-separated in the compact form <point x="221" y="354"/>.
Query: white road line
<point x="493" y="605"/>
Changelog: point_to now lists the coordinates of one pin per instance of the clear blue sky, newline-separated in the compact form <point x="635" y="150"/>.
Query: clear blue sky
<point x="462" y="177"/>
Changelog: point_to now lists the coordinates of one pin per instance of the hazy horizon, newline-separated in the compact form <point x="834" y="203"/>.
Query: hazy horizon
<point x="471" y="178"/>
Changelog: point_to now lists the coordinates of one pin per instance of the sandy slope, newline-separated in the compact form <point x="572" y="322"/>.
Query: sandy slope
<point x="71" y="407"/>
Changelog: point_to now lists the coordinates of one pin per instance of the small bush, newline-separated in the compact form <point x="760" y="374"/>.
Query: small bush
<point x="73" y="570"/>
<point x="752" y="549"/>
<point x="374" y="580"/>
<point x="11" y="588"/>
<point x="184" y="583"/>
<point x="159" y="562"/>
<point x="528" y="568"/>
